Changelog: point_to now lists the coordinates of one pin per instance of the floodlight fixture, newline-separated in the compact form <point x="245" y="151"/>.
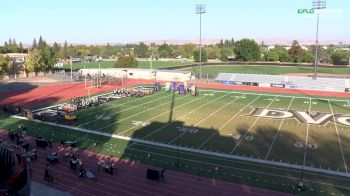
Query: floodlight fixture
<point x="200" y="8"/>
<point x="319" y="4"/>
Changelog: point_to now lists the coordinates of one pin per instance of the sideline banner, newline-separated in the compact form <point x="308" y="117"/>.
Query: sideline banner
<point x="278" y="85"/>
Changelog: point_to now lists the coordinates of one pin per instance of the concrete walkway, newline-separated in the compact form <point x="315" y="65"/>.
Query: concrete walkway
<point x="38" y="189"/>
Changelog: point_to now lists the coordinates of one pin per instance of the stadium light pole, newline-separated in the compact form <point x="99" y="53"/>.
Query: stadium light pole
<point x="200" y="9"/>
<point x="317" y="5"/>
<point x="71" y="70"/>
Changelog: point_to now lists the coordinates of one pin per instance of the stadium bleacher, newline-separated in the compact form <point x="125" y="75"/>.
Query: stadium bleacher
<point x="296" y="82"/>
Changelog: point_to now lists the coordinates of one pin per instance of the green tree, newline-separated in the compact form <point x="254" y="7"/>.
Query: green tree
<point x="126" y="62"/>
<point x="64" y="51"/>
<point x="34" y="62"/>
<point x="41" y="43"/>
<point x="164" y="50"/>
<point x="177" y="51"/>
<point x="5" y="63"/>
<point x="20" y="47"/>
<point x="212" y="52"/>
<point x="307" y="57"/>
<point x="247" y="50"/>
<point x="6" y="45"/>
<point x="141" y="50"/>
<point x="225" y="53"/>
<point x="341" y="57"/>
<point x="154" y="51"/>
<point x="48" y="58"/>
<point x="221" y="44"/>
<point x="95" y="50"/>
<point x="80" y="51"/>
<point x="296" y="52"/>
<point x="189" y="49"/>
<point x="203" y="55"/>
<point x="34" y="44"/>
<point x="56" y="49"/>
<point x="272" y="55"/>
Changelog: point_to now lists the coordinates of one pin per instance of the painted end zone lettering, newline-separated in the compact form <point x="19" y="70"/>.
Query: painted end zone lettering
<point x="316" y="118"/>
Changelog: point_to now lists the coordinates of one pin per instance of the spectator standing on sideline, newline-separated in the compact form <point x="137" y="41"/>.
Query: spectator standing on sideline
<point x="162" y="175"/>
<point x="46" y="173"/>
<point x="81" y="172"/>
<point x="50" y="142"/>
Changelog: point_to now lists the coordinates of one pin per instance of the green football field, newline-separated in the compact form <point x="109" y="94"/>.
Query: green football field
<point x="219" y="121"/>
<point x="258" y="139"/>
<point x="142" y="64"/>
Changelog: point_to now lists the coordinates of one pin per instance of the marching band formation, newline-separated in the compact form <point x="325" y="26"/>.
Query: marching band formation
<point x="69" y="109"/>
<point x="130" y="92"/>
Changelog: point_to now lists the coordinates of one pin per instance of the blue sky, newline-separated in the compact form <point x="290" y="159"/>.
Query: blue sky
<point x="102" y="21"/>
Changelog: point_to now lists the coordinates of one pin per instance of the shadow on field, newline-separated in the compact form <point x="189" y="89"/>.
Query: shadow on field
<point x="29" y="96"/>
<point x="8" y="90"/>
<point x="163" y="142"/>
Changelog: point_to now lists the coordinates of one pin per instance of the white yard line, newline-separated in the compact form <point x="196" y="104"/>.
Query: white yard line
<point x="215" y="154"/>
<point x="340" y="145"/>
<point x="271" y="94"/>
<point x="251" y="126"/>
<point x="307" y="135"/>
<point x="139" y="113"/>
<point x="233" y="117"/>
<point x="279" y="129"/>
<point x="116" y="105"/>
<point x="123" y="111"/>
<point x="183" y="116"/>
<point x="178" y="137"/>
<point x="162" y="114"/>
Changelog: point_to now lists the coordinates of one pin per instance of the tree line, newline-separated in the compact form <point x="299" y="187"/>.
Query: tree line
<point x="43" y="56"/>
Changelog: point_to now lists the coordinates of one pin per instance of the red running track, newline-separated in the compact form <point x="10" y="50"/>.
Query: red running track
<point x="130" y="179"/>
<point x="48" y="94"/>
